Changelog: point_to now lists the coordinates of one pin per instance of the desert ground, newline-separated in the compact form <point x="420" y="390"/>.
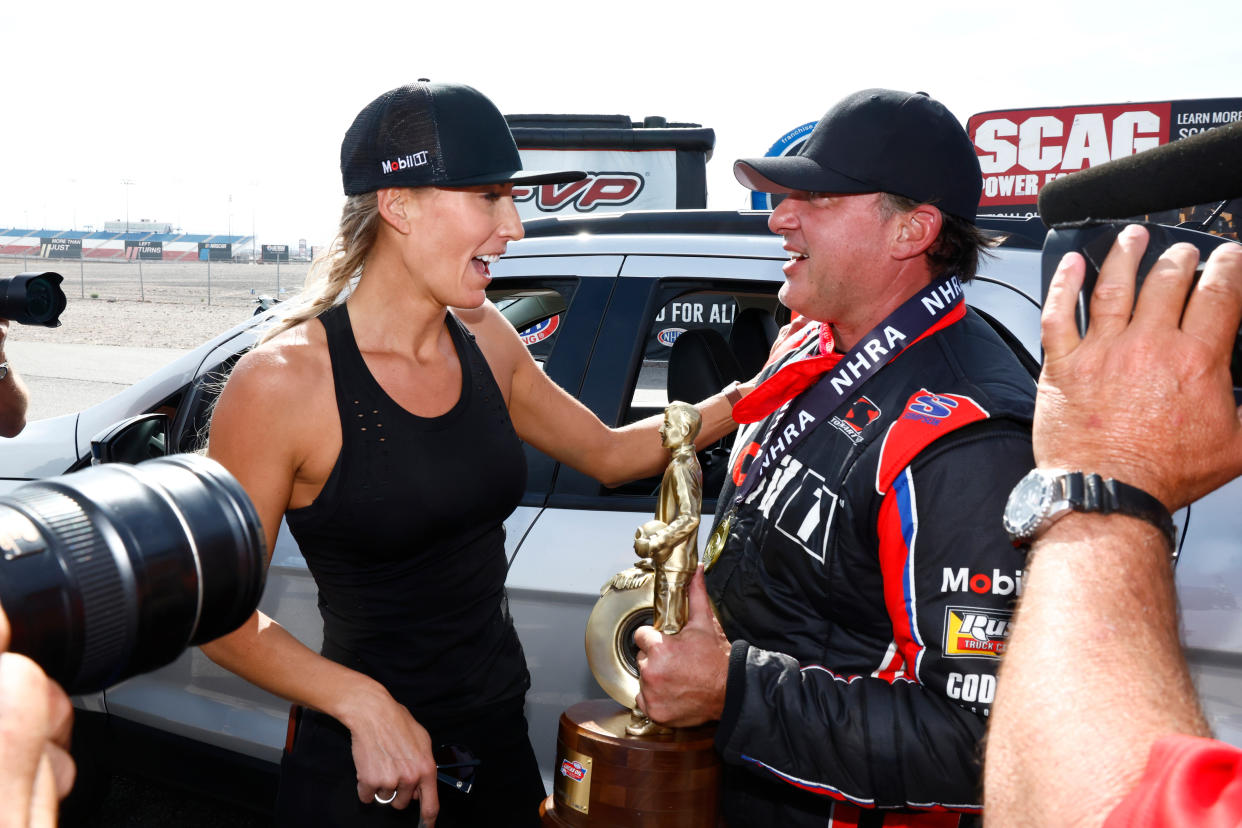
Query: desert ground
<point x="152" y="304"/>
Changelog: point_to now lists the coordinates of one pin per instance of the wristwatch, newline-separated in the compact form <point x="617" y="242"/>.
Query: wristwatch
<point x="1045" y="496"/>
<point x="4" y="370"/>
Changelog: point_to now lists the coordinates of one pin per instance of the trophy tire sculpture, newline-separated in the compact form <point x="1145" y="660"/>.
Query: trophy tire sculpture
<point x="626" y="603"/>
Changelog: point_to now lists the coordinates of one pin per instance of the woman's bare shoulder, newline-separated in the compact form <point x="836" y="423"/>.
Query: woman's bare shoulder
<point x="497" y="339"/>
<point x="485" y="315"/>
<point x="284" y="368"/>
<point x="489" y="325"/>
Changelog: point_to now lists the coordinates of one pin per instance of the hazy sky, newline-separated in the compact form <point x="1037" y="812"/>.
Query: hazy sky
<point x="229" y="115"/>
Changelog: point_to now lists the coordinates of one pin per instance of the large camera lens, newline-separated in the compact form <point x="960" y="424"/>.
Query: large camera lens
<point x="115" y="570"/>
<point x="33" y="299"/>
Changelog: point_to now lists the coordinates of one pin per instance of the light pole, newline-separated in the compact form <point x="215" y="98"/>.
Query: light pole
<point x="128" y="183"/>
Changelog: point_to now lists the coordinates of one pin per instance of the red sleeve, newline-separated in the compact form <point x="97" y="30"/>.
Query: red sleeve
<point x="1188" y="781"/>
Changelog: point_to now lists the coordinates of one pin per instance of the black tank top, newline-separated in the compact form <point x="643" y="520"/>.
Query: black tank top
<point x="406" y="540"/>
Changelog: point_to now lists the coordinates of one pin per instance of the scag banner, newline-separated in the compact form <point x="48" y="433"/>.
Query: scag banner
<point x="616" y="180"/>
<point x="1021" y="150"/>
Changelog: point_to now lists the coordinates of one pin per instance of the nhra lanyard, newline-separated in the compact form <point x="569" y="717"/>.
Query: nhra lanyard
<point x="937" y="306"/>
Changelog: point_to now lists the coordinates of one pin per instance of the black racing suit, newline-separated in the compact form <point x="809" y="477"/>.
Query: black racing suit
<point x="867" y="586"/>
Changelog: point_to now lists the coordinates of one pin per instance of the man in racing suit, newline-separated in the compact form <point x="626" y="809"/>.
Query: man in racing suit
<point x="858" y="566"/>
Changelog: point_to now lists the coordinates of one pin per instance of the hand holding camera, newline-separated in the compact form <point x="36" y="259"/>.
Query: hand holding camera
<point x="13" y="396"/>
<point x="32" y="299"/>
<point x="1126" y="370"/>
<point x="1094" y="240"/>
<point x="113" y="571"/>
<point x="104" y="574"/>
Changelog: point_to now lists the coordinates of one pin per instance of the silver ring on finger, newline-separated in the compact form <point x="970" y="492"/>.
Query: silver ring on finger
<point x="388" y="801"/>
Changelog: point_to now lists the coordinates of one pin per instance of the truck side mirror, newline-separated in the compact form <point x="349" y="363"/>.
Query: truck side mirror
<point x="144" y="437"/>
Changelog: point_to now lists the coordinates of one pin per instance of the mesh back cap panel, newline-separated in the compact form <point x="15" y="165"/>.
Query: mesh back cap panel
<point x="408" y="129"/>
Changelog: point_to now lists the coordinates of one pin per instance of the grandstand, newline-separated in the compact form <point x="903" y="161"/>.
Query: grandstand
<point x="106" y="244"/>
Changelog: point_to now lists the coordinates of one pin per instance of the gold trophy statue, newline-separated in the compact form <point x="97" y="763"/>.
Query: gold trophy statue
<point x="615" y="766"/>
<point x="671" y="541"/>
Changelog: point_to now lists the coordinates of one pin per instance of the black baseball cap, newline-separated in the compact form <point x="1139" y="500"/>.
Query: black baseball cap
<point x="434" y="134"/>
<point x="879" y="141"/>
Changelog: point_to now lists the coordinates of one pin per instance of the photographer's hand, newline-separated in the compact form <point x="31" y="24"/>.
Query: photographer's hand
<point x="1149" y="399"/>
<point x="13" y="396"/>
<point x="36" y="721"/>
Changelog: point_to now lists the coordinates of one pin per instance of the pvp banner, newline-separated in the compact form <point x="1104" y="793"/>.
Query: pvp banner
<point x="1021" y="150"/>
<point x="275" y="253"/>
<point x="215" y="252"/>
<point x="652" y="165"/>
<point x="144" y="250"/>
<point x="60" y="248"/>
<point x="615" y="181"/>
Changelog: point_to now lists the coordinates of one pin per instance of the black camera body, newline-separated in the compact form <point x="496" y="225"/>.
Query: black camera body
<point x="33" y="298"/>
<point x="1093" y="239"/>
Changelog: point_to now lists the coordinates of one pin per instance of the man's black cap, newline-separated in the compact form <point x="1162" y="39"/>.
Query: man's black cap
<point x="879" y="141"/>
<point x="434" y="134"/>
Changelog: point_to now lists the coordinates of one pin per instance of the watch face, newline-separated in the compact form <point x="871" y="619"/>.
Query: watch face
<point x="1027" y="505"/>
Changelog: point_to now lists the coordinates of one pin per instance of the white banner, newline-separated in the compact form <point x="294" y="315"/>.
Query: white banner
<point x="616" y="180"/>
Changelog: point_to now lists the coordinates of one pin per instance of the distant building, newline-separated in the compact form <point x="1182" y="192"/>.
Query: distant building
<point x="139" y="226"/>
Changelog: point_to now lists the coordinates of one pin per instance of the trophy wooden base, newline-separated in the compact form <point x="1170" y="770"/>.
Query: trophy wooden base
<point x="606" y="777"/>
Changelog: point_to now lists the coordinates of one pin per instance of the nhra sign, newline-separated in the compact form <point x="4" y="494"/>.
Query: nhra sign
<point x="1021" y="150"/>
<point x="685" y="312"/>
<point x="60" y="248"/>
<point x="215" y="252"/>
<point x="616" y="181"/>
<point x="275" y="253"/>
<point x="144" y="250"/>
<point x="787" y="144"/>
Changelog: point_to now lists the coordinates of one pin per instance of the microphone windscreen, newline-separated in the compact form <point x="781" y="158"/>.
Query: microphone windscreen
<point x="1197" y="170"/>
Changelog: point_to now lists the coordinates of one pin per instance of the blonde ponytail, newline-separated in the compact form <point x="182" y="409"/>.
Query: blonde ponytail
<point x="330" y="274"/>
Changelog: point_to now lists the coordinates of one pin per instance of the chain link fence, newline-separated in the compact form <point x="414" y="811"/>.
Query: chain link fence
<point x="212" y="283"/>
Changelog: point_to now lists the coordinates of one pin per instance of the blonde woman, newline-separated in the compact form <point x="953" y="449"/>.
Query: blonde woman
<point x="385" y="427"/>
